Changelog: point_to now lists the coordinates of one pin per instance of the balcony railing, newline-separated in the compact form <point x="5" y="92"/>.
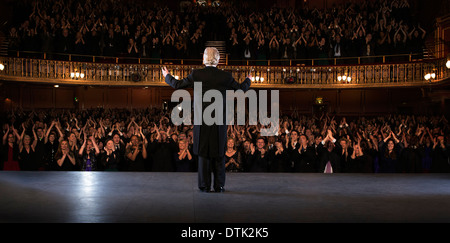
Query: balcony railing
<point x="289" y="74"/>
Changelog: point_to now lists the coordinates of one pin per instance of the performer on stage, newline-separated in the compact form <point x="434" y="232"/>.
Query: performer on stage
<point x="210" y="141"/>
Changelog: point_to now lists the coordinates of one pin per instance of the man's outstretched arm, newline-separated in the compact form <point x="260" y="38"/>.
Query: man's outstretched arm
<point x="245" y="85"/>
<point x="175" y="83"/>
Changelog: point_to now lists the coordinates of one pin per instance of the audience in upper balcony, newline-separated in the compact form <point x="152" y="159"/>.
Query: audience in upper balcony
<point x="365" y="29"/>
<point x="107" y="28"/>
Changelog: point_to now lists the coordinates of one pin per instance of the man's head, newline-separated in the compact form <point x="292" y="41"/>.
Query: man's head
<point x="303" y="139"/>
<point x="343" y="142"/>
<point x="246" y="144"/>
<point x="40" y="132"/>
<point x="182" y="136"/>
<point x="211" y="56"/>
<point x="329" y="145"/>
<point x="318" y="139"/>
<point x="260" y="143"/>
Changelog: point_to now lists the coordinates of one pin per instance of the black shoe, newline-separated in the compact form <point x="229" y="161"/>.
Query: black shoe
<point x="205" y="189"/>
<point x="220" y="189"/>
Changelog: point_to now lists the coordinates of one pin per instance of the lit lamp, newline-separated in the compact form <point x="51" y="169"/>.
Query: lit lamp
<point x="319" y="100"/>
<point x="446" y="64"/>
<point x="429" y="76"/>
<point x="2" y="67"/>
<point x="76" y="75"/>
<point x="344" y="78"/>
<point x="262" y="79"/>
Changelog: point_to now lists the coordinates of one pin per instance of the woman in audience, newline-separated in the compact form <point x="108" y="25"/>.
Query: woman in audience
<point x="110" y="160"/>
<point x="183" y="157"/>
<point x="88" y="155"/>
<point x="10" y="149"/>
<point x="232" y="157"/>
<point x="65" y="158"/>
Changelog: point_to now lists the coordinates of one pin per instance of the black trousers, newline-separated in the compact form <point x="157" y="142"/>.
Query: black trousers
<point x="206" y="166"/>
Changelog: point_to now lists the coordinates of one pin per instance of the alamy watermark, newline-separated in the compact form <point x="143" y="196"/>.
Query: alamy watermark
<point x="257" y="111"/>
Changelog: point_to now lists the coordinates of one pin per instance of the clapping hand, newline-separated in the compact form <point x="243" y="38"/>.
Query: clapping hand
<point x="262" y="151"/>
<point x="252" y="148"/>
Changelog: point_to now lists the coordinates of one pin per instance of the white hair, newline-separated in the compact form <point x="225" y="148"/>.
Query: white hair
<point x="211" y="56"/>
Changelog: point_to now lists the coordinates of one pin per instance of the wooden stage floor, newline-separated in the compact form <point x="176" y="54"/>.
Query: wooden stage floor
<point x="150" y="197"/>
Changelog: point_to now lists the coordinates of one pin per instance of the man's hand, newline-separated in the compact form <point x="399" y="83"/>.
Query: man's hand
<point x="164" y="71"/>
<point x="250" y="76"/>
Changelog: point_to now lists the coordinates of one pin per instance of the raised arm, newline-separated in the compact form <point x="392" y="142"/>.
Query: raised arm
<point x="423" y="32"/>
<point x="5" y="136"/>
<point x="158" y="135"/>
<point x="61" y="135"/>
<point x="97" y="150"/>
<point x="23" y="133"/>
<point x="144" y="148"/>
<point x="33" y="145"/>
<point x="245" y="85"/>
<point x="175" y="83"/>
<point x="48" y="131"/>
<point x="19" y="139"/>
<point x="71" y="158"/>
<point x="80" y="152"/>
<point x="61" y="160"/>
<point x="144" y="139"/>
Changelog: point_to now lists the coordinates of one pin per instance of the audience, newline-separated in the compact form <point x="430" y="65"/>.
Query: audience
<point x="146" y="140"/>
<point x="366" y="29"/>
<point x="132" y="29"/>
<point x="128" y="29"/>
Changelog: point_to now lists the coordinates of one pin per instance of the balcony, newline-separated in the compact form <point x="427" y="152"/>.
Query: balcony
<point x="107" y="71"/>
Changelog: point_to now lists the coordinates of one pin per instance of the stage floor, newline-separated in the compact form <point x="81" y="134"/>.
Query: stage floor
<point x="133" y="197"/>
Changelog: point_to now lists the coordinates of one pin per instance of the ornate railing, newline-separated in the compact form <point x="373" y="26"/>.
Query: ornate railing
<point x="410" y="73"/>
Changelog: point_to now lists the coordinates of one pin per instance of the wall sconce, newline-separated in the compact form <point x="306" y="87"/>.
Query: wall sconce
<point x="429" y="76"/>
<point x="344" y="78"/>
<point x="76" y="75"/>
<point x="319" y="100"/>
